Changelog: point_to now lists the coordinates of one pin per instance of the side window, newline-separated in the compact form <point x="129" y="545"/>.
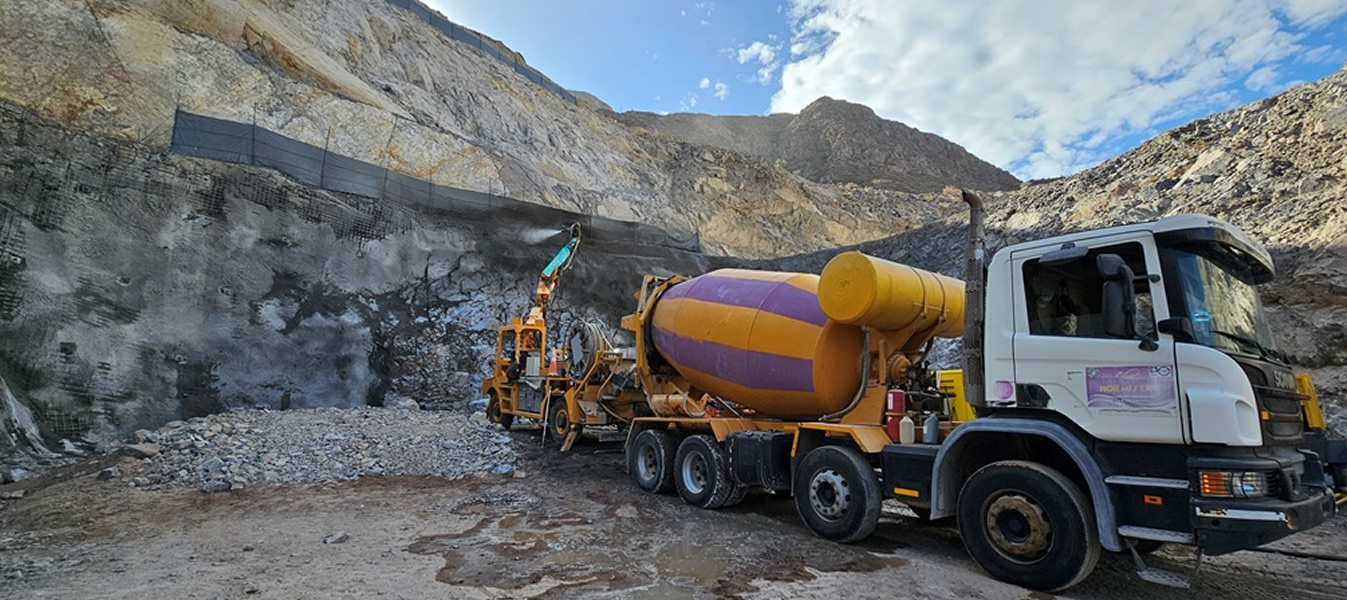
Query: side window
<point x="1066" y="300"/>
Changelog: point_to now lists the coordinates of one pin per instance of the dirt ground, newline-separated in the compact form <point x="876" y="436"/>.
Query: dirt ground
<point x="573" y="526"/>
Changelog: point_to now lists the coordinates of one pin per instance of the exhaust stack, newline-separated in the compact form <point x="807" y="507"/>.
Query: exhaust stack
<point x="975" y="303"/>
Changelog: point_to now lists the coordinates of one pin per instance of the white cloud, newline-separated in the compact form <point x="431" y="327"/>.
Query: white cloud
<point x="757" y="51"/>
<point x="688" y="103"/>
<point x="1035" y="85"/>
<point x="765" y="74"/>
<point x="722" y="91"/>
<point x="704" y="83"/>
<point x="761" y="53"/>
<point x="1263" y="79"/>
<point x="682" y="13"/>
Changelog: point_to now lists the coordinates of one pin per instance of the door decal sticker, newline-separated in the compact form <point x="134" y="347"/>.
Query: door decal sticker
<point x="1130" y="387"/>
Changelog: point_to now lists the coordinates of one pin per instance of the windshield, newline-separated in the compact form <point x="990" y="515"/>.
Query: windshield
<point x="1225" y="310"/>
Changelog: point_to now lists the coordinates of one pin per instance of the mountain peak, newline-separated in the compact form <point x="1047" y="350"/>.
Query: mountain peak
<point x="837" y="141"/>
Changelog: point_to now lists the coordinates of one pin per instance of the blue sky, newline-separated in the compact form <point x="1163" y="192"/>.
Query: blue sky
<point x="647" y="56"/>
<point x="1039" y="87"/>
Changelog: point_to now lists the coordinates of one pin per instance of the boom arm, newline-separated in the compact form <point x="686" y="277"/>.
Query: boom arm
<point x="550" y="276"/>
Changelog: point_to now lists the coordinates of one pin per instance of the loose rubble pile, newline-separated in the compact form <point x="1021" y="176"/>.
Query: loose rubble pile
<point x="235" y="450"/>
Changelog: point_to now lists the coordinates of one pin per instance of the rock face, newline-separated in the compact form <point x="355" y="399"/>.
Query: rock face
<point x="369" y="80"/>
<point x="834" y="141"/>
<point x="148" y="287"/>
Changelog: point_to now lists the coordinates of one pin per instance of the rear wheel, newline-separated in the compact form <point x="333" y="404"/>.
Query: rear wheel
<point x="737" y="496"/>
<point x="1029" y="525"/>
<point x="837" y="494"/>
<point x="701" y="472"/>
<point x="494" y="414"/>
<point x="650" y="461"/>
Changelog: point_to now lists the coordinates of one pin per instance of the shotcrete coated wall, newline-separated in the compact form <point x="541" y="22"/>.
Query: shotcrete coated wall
<point x="138" y="287"/>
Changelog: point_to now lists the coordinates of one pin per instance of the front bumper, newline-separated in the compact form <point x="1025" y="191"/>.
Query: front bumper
<point x="1222" y="525"/>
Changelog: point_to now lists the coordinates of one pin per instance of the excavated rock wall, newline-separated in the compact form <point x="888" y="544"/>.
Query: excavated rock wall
<point x="139" y="287"/>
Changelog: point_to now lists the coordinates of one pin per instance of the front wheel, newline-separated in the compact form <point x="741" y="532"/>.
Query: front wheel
<point x="837" y="494"/>
<point x="559" y="420"/>
<point x="1029" y="525"/>
<point x="494" y="414"/>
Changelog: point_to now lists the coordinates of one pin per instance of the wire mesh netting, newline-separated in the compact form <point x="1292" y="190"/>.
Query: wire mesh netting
<point x="229" y="141"/>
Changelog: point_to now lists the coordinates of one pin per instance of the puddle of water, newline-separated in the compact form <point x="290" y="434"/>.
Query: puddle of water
<point x="700" y="562"/>
<point x="511" y="548"/>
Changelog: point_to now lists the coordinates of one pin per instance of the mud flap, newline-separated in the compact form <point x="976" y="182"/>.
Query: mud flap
<point x="571" y="435"/>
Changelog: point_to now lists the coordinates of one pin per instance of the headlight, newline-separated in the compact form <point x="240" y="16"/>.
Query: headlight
<point x="1237" y="484"/>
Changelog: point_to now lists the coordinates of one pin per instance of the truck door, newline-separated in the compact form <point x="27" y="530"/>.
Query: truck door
<point x="1066" y="361"/>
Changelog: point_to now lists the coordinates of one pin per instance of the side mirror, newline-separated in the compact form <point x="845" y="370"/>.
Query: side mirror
<point x="1119" y="300"/>
<point x="1179" y="327"/>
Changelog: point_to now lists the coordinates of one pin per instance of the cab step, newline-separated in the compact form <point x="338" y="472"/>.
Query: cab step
<point x="1159" y="535"/>
<point x="1161" y="576"/>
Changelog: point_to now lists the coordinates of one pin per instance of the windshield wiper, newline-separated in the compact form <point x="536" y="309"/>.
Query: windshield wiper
<point x="1262" y="352"/>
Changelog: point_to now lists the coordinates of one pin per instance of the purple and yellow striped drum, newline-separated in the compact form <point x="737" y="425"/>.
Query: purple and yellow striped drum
<point x="759" y="339"/>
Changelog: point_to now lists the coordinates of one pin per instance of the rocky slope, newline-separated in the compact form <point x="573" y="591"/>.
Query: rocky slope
<point x="835" y="141"/>
<point x="370" y="81"/>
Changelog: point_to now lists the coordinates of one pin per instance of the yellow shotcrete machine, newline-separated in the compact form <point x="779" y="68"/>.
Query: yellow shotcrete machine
<point x="585" y="382"/>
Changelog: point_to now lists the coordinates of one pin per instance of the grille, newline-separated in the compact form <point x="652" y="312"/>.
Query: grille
<point x="1275" y="489"/>
<point x="1281" y="417"/>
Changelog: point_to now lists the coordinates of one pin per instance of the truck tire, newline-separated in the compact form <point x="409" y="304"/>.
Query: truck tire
<point x="702" y="473"/>
<point x="736" y="496"/>
<point x="650" y="461"/>
<point x="1027" y="524"/>
<point x="494" y="414"/>
<point x="837" y="494"/>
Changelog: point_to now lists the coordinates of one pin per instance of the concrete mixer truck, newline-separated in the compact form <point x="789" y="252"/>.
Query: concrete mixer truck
<point x="1123" y="381"/>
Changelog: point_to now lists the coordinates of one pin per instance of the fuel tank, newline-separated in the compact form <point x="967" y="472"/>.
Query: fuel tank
<point x="759" y="339"/>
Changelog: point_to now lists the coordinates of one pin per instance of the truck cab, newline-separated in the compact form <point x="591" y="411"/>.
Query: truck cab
<point x="1143" y="353"/>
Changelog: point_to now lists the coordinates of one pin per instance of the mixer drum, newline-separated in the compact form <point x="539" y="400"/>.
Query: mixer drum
<point x="759" y="339"/>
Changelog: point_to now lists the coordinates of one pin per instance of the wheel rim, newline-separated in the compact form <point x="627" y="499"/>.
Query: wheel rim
<point x="645" y="463"/>
<point x="694" y="473"/>
<point x="1018" y="527"/>
<point x="559" y="424"/>
<point x="493" y="411"/>
<point x="829" y="494"/>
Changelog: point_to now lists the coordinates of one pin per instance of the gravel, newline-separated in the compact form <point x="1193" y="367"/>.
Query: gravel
<point x="231" y="451"/>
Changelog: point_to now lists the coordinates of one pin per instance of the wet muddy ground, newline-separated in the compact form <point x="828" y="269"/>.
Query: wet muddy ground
<point x="572" y="526"/>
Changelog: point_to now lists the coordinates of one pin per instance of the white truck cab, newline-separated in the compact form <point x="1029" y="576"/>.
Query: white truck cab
<point x="1177" y="373"/>
<point x="1138" y="360"/>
